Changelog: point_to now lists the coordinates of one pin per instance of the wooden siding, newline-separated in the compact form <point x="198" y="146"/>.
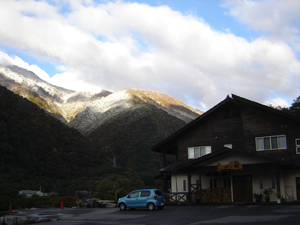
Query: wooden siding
<point x="215" y="131"/>
<point x="260" y="123"/>
<point x="241" y="130"/>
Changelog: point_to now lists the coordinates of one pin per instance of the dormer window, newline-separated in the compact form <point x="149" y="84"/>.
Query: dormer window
<point x="196" y="152"/>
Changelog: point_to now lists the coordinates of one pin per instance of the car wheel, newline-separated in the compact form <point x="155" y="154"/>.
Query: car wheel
<point x="151" y="206"/>
<point x="160" y="207"/>
<point x="122" y="206"/>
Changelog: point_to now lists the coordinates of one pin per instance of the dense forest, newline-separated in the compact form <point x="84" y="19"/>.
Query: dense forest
<point x="40" y="152"/>
<point x="129" y="138"/>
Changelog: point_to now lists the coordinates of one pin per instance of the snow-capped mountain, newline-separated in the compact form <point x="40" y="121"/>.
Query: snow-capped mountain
<point x="86" y="111"/>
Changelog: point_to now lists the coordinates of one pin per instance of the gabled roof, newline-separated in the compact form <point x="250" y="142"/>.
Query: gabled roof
<point x="234" y="99"/>
<point x="157" y="147"/>
<point x="264" y="107"/>
<point x="182" y="166"/>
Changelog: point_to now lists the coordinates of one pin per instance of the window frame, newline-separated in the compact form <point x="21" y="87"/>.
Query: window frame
<point x="206" y="148"/>
<point x="270" y="143"/>
<point x="297" y="145"/>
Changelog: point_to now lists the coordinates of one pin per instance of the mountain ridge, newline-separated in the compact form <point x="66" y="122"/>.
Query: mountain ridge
<point x="84" y="110"/>
<point x="123" y="125"/>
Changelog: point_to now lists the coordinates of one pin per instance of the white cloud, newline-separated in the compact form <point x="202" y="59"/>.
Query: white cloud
<point x="118" y="45"/>
<point x="278" y="18"/>
<point x="278" y="102"/>
<point x="7" y="60"/>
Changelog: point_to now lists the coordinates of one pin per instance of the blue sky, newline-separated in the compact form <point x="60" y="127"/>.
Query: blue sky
<point x="198" y="51"/>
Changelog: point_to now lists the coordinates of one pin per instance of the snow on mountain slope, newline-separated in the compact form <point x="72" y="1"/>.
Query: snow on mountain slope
<point x="88" y="110"/>
<point x="103" y="110"/>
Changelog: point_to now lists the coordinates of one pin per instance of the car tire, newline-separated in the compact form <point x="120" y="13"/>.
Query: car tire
<point x="160" y="207"/>
<point x="122" y="206"/>
<point x="151" y="206"/>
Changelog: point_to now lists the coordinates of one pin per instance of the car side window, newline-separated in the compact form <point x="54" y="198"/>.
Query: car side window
<point x="134" y="195"/>
<point x="145" y="193"/>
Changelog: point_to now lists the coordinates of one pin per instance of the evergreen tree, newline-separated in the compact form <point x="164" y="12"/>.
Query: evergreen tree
<point x="295" y="108"/>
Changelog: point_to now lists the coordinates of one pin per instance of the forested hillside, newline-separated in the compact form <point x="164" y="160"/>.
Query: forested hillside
<point x="129" y="139"/>
<point x="39" y="151"/>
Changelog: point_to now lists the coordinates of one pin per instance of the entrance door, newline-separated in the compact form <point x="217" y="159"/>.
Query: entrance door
<point x="242" y="189"/>
<point x="298" y="188"/>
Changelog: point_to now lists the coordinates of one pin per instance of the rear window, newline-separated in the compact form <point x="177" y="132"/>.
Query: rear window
<point x="158" y="192"/>
<point x="145" y="193"/>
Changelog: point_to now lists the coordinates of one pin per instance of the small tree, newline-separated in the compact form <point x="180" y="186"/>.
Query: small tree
<point x="106" y="190"/>
<point x="295" y="107"/>
<point x="124" y="183"/>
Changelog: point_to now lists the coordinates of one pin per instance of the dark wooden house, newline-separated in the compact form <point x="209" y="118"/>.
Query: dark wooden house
<point x="235" y="151"/>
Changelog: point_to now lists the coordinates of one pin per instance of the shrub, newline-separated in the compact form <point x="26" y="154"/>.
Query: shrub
<point x="68" y="201"/>
<point x="4" y="203"/>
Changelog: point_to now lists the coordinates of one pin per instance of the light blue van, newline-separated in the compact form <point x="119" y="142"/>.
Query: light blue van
<point x="146" y="198"/>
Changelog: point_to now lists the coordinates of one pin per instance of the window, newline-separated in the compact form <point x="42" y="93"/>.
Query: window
<point x="273" y="182"/>
<point x="134" y="195"/>
<point x="261" y="183"/>
<point x="270" y="143"/>
<point x="298" y="146"/>
<point x="196" y="152"/>
<point x="145" y="193"/>
<point x="227" y="183"/>
<point x="184" y="185"/>
<point x="213" y="183"/>
<point x="228" y="146"/>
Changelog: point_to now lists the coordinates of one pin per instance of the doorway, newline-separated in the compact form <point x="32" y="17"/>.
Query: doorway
<point x="242" y="189"/>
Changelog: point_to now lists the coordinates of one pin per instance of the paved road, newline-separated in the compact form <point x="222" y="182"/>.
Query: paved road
<point x="175" y="215"/>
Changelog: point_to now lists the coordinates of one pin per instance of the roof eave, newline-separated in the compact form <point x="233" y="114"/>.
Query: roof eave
<point x="157" y="147"/>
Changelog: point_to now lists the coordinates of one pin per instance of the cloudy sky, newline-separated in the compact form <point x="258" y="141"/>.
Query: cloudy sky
<point x="198" y="51"/>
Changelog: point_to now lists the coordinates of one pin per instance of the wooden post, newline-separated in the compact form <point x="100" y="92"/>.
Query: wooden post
<point x="278" y="180"/>
<point x="189" y="186"/>
<point x="164" y="157"/>
<point x="200" y="188"/>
